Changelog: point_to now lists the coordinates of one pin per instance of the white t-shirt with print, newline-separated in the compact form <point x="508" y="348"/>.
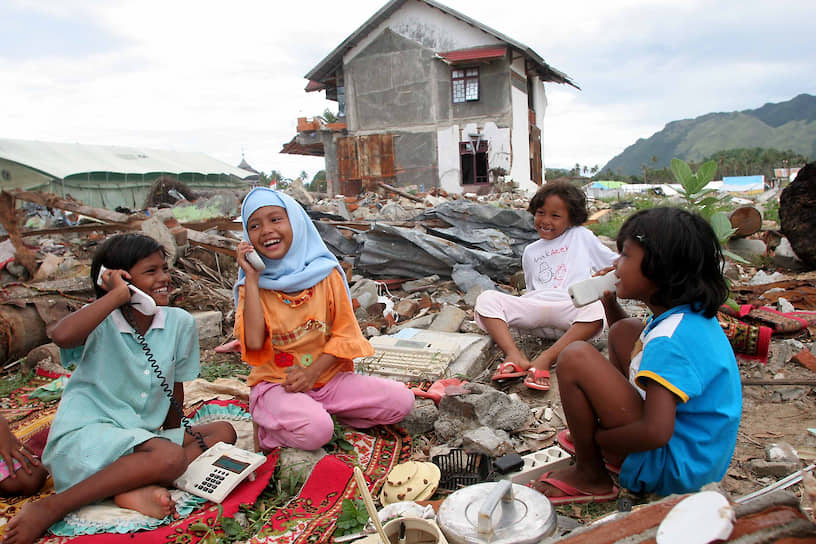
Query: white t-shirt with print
<point x="558" y="263"/>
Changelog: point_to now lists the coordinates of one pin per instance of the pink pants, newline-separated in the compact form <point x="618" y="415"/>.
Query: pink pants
<point x="546" y="313"/>
<point x="303" y="420"/>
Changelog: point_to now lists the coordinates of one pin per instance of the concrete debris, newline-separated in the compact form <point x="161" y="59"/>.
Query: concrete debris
<point x="416" y="263"/>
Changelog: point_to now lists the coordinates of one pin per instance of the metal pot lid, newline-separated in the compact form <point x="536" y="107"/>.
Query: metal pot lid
<point x="496" y="513"/>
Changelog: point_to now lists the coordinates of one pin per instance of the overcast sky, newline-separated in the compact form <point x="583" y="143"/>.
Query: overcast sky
<point x="226" y="77"/>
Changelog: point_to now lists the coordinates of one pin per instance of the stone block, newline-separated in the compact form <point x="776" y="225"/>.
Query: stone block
<point x="208" y="323"/>
<point x="154" y="227"/>
<point x="449" y="319"/>
<point x="747" y="248"/>
<point x="776" y="469"/>
<point x="406" y="308"/>
<point x="489" y="441"/>
<point x="422" y="417"/>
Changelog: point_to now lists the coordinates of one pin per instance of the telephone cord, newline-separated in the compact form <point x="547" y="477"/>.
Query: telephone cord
<point x="163" y="382"/>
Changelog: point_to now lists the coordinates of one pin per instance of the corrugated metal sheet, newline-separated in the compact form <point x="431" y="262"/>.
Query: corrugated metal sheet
<point x="364" y="160"/>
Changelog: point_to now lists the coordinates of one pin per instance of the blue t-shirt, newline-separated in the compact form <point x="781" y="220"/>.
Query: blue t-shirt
<point x="688" y="354"/>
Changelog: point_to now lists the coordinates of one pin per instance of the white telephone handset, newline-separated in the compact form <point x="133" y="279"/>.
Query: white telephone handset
<point x="255" y="260"/>
<point x="216" y="472"/>
<point x="138" y="298"/>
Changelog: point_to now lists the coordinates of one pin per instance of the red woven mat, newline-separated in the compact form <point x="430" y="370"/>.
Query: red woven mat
<point x="312" y="515"/>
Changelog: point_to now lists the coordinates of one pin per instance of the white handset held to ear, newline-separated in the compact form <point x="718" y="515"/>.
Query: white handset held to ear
<point x="255" y="260"/>
<point x="140" y="300"/>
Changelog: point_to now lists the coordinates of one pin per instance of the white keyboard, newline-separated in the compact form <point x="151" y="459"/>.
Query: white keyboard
<point x="406" y="363"/>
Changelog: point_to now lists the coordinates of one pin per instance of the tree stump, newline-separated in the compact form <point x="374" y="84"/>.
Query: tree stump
<point x="747" y="220"/>
<point x="797" y="214"/>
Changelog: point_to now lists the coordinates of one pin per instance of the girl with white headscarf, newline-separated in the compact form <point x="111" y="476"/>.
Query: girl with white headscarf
<point x="296" y="326"/>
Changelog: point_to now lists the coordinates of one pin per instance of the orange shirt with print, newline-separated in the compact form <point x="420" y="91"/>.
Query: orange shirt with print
<point x="302" y="326"/>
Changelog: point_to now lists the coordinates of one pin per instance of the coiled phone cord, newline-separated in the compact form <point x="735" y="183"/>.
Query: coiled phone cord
<point x="163" y="382"/>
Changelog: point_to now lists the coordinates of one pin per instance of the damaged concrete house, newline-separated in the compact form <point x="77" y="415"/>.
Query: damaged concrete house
<point x="429" y="97"/>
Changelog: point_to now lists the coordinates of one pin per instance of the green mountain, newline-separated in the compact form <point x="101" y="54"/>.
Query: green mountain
<point x="785" y="126"/>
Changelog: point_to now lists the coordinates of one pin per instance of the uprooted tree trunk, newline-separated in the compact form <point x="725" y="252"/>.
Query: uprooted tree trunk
<point x="21" y="330"/>
<point x="10" y="219"/>
<point x="797" y="214"/>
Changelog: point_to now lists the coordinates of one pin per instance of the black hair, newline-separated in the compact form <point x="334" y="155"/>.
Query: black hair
<point x="573" y="197"/>
<point x="121" y="252"/>
<point x="682" y="256"/>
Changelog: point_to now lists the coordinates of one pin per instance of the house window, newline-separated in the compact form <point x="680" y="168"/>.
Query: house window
<point x="465" y="85"/>
<point x="473" y="161"/>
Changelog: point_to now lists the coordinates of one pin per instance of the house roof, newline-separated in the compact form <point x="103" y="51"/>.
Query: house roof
<point x="474" y="53"/>
<point x="293" y="147"/>
<point x="61" y="160"/>
<point x="324" y="73"/>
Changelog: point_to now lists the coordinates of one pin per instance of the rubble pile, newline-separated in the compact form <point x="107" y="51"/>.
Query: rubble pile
<point x="414" y="261"/>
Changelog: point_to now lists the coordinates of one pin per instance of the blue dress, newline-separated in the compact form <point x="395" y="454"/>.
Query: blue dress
<point x="114" y="401"/>
<point x="688" y="354"/>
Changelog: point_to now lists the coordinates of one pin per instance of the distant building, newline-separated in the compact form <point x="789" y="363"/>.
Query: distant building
<point x="255" y="178"/>
<point x="743" y="184"/>
<point x="429" y="97"/>
<point x="108" y="176"/>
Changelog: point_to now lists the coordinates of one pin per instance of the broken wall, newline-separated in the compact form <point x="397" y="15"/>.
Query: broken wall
<point x="396" y="85"/>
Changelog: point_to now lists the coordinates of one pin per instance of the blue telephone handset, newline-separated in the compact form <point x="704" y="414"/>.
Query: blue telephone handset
<point x="140" y="300"/>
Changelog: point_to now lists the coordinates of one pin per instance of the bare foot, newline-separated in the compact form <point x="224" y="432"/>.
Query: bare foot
<point x="31" y="522"/>
<point x="152" y="500"/>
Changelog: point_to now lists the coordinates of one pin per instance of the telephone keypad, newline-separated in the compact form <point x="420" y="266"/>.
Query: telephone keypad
<point x="213" y="479"/>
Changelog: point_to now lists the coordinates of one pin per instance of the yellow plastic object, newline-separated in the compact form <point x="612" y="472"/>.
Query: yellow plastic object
<point x="411" y="481"/>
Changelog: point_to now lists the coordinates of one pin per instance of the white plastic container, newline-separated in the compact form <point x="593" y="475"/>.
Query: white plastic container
<point x="591" y="289"/>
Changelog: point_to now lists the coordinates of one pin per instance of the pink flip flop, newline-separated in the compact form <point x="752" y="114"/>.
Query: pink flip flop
<point x="564" y="440"/>
<point x="436" y="391"/>
<point x="533" y="374"/>
<point x="573" y="495"/>
<point x="508" y="370"/>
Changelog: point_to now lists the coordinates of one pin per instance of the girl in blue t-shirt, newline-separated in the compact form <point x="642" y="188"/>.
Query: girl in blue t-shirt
<point x="665" y="408"/>
<point x="115" y="434"/>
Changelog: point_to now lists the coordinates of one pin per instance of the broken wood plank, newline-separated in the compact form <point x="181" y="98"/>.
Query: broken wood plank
<point x="103" y="227"/>
<point x="50" y="200"/>
<point x="213" y="242"/>
<point x="220" y="223"/>
<point x="400" y="192"/>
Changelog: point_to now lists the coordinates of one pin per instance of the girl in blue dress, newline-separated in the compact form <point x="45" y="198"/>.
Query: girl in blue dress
<point x="115" y="434"/>
<point x="665" y="408"/>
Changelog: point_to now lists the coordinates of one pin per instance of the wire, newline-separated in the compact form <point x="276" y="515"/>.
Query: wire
<point x="164" y="385"/>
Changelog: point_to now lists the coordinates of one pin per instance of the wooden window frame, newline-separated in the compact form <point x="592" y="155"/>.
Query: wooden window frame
<point x="467" y="79"/>
<point x="466" y="153"/>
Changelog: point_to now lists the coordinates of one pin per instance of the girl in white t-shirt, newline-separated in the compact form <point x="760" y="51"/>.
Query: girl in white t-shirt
<point x="566" y="253"/>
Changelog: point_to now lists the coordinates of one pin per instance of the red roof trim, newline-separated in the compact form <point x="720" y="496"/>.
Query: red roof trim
<point x="475" y="53"/>
<point x="314" y="86"/>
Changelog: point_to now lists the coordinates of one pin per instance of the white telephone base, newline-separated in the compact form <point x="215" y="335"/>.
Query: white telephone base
<point x="216" y="472"/>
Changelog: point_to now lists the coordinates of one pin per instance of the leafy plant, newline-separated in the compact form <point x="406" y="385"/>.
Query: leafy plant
<point x="338" y="440"/>
<point x="693" y="187"/>
<point x="707" y="202"/>
<point x="205" y="532"/>
<point x="14" y="381"/>
<point x="353" y="517"/>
